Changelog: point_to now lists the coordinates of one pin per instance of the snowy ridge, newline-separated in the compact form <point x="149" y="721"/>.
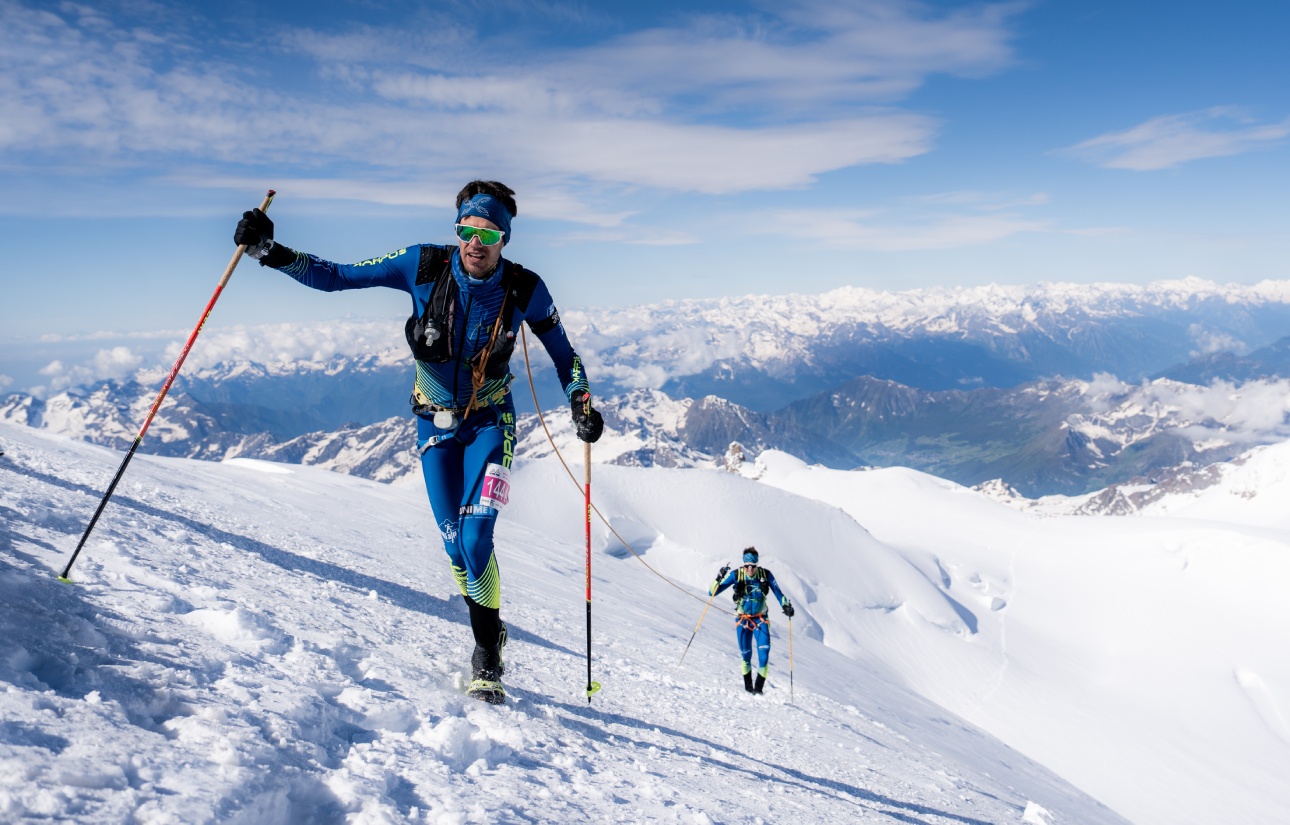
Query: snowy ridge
<point x="253" y="642"/>
<point x="1248" y="488"/>
<point x="751" y="347"/>
<point x="642" y="346"/>
<point x="1141" y="658"/>
<point x="1052" y="436"/>
<point x="994" y="307"/>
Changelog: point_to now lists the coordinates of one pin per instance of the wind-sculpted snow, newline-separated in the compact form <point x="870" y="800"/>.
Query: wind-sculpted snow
<point x="253" y="642"/>
<point x="1141" y="658"/>
<point x="849" y="584"/>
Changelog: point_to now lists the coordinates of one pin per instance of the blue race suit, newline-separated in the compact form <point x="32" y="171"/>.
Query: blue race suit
<point x="461" y="464"/>
<point x="750" y="612"/>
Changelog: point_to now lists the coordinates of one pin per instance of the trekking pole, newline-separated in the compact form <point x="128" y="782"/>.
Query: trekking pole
<point x="592" y="687"/>
<point x="156" y="405"/>
<point x="696" y="629"/>
<point x="790" y="660"/>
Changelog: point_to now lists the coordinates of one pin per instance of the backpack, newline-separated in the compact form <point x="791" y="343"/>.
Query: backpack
<point x="429" y="335"/>
<point x="741" y="582"/>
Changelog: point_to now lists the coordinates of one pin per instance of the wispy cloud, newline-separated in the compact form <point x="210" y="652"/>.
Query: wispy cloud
<point x="117" y="362"/>
<point x="802" y="53"/>
<point x="875" y="232"/>
<point x="711" y="104"/>
<point x="268" y="344"/>
<point x="984" y="201"/>
<point x="636" y="236"/>
<point x="1171" y="140"/>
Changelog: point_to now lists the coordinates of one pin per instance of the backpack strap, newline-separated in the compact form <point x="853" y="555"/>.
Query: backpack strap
<point x="520" y="289"/>
<point x="523" y="284"/>
<point x="434" y="263"/>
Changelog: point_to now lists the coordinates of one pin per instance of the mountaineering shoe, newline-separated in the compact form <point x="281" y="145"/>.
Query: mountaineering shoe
<point x="487" y="667"/>
<point x="486" y="690"/>
<point x="748" y="685"/>
<point x="761" y="681"/>
<point x="480" y="658"/>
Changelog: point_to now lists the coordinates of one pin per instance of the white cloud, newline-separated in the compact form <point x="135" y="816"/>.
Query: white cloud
<point x="985" y="201"/>
<point x="712" y="105"/>
<point x="5" y="382"/>
<point x="268" y="344"/>
<point x="871" y="232"/>
<point x="1104" y="384"/>
<point x="806" y="53"/>
<point x="639" y="236"/>
<point x="115" y="363"/>
<point x="118" y="362"/>
<point x="1210" y="341"/>
<point x="1246" y="412"/>
<point x="101" y="335"/>
<point x="1171" y="140"/>
<point x="275" y="344"/>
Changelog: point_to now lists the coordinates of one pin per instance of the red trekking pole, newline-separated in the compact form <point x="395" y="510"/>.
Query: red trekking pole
<point x="156" y="405"/>
<point x="592" y="687"/>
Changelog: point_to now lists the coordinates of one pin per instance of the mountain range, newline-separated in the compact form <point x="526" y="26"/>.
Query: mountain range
<point x="1057" y="389"/>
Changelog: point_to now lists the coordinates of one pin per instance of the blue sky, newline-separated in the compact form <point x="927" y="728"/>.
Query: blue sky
<point x="664" y="150"/>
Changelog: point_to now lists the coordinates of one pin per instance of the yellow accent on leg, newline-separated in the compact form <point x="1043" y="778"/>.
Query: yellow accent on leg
<point x="487" y="590"/>
<point x="459" y="574"/>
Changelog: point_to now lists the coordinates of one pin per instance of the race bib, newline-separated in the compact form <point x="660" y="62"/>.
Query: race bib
<point x="497" y="487"/>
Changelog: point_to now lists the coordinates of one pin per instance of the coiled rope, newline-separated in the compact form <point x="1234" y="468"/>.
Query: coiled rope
<point x="537" y="406"/>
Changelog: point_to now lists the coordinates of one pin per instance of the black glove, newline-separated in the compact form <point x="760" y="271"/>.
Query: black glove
<point x="255" y="232"/>
<point x="721" y="574"/>
<point x="788" y="609"/>
<point x="586" y="420"/>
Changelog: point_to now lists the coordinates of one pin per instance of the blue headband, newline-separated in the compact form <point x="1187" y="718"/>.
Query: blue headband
<point x="489" y="207"/>
<point x="750" y="558"/>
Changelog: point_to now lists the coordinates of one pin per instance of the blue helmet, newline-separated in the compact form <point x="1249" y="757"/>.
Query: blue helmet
<point x="750" y="555"/>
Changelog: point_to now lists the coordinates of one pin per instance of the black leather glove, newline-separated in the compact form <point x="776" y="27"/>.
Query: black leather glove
<point x="255" y="232"/>
<point x="586" y="420"/>
<point x="788" y="609"/>
<point x="721" y="574"/>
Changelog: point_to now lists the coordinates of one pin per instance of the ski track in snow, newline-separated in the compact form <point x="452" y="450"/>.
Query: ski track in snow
<point x="245" y="646"/>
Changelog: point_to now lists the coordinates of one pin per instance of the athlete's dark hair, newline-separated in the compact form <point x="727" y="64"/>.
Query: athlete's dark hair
<point x="752" y="550"/>
<point x="499" y="190"/>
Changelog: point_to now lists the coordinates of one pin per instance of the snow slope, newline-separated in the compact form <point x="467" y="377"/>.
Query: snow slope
<point x="252" y="642"/>
<point x="1141" y="658"/>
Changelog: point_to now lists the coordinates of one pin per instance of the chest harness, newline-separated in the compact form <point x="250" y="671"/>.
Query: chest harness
<point x="749" y="621"/>
<point x="430" y="334"/>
